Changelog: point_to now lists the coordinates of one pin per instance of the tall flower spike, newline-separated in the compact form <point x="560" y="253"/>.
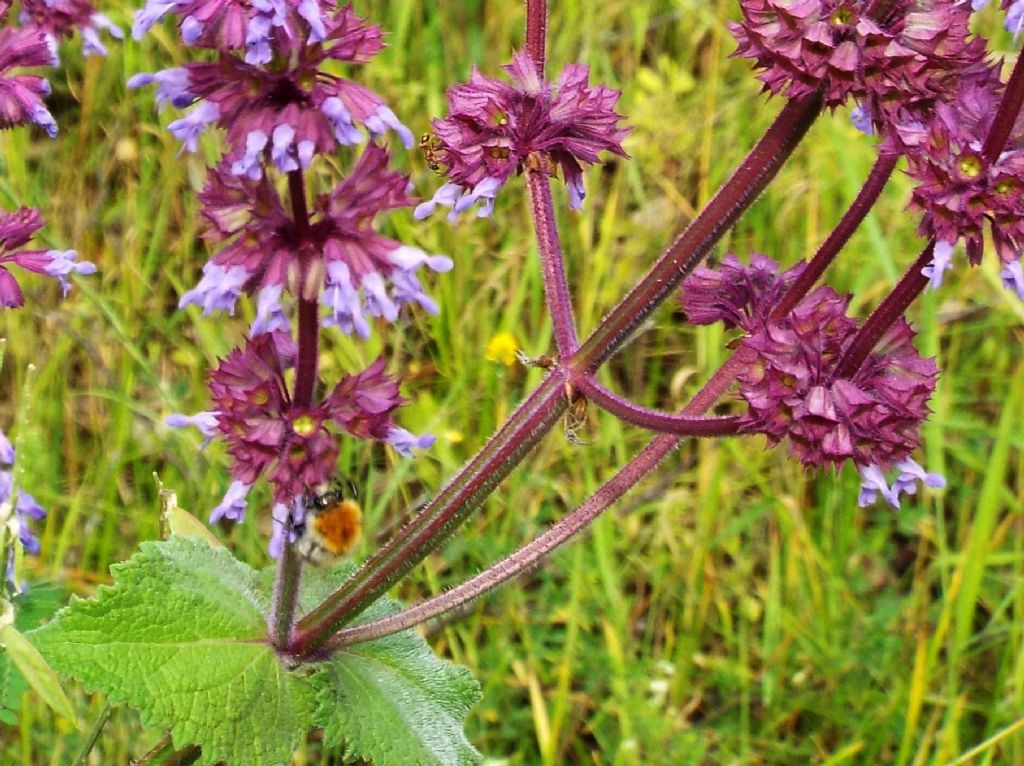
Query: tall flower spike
<point x="492" y="128"/>
<point x="16" y="229"/>
<point x="21" y="95"/>
<point x="282" y="103"/>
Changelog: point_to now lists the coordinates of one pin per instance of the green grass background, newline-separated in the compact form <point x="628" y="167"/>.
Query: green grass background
<point x="734" y="609"/>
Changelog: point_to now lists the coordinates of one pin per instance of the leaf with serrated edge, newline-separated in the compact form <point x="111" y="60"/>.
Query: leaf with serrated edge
<point x="393" y="701"/>
<point x="181" y="637"/>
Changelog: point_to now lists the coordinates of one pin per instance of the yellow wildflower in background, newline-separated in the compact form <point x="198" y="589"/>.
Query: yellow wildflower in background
<point x="502" y="348"/>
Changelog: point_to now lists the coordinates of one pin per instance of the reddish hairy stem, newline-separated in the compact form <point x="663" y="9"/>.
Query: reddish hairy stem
<point x="732" y="199"/>
<point x="556" y="286"/>
<point x="300" y="211"/>
<point x="309" y="352"/>
<point x="309" y="314"/>
<point x="286" y="593"/>
<point x="852" y="218"/>
<point x="654" y="420"/>
<point x="524" y="559"/>
<point x="530" y="555"/>
<point x="538" y="414"/>
<point x="439" y="518"/>
<point x="536" y="32"/>
<point x="289" y="571"/>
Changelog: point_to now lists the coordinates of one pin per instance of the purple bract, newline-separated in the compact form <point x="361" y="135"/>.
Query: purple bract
<point x="959" y="192"/>
<point x="894" y="64"/>
<point x="267" y="433"/>
<point x="16" y="229"/>
<point x="788" y="379"/>
<point x="493" y="127"/>
<point x="21" y="95"/>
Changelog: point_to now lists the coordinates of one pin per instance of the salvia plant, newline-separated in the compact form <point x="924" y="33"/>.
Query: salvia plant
<point x="237" y="664"/>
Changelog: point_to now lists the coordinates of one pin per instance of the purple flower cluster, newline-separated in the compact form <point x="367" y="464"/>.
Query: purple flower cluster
<point x="493" y="128"/>
<point x="923" y="82"/>
<point x="21" y="95"/>
<point x="961" y="193"/>
<point x="282" y="99"/>
<point x="16" y="229"/>
<point x="788" y="379"/>
<point x="736" y="294"/>
<point x="295" y="447"/>
<point x="281" y="112"/>
<point x="25" y="508"/>
<point x="894" y="59"/>
<point x="260" y="250"/>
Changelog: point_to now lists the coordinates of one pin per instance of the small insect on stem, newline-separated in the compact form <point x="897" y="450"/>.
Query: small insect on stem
<point x="575" y="414"/>
<point x="431" y="145"/>
<point x="543" y="362"/>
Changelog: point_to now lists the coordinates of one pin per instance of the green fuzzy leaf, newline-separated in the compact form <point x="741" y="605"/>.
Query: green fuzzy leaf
<point x="393" y="701"/>
<point x="181" y="637"/>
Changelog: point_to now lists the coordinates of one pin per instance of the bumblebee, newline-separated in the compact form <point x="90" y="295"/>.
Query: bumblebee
<point x="334" y="521"/>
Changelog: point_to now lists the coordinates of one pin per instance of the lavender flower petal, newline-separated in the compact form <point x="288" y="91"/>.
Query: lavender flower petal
<point x="404" y="441"/>
<point x="1013" y="278"/>
<point x="269" y="312"/>
<point x="218" y="290"/>
<point x="232" y="507"/>
<point x="873" y="485"/>
<point x="942" y="261"/>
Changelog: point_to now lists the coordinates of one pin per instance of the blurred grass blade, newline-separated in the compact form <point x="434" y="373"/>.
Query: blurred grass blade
<point x="37" y="672"/>
<point x="989" y="504"/>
